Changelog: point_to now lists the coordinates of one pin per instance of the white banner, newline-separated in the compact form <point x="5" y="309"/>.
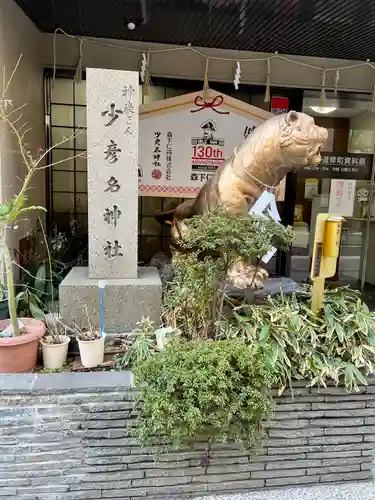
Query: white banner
<point x="183" y="140"/>
<point x="341" y="197"/>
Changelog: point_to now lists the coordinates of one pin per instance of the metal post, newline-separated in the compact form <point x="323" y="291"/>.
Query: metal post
<point x="368" y="222"/>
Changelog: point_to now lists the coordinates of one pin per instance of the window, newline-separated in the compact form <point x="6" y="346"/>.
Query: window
<point x="67" y="180"/>
<point x="66" y="116"/>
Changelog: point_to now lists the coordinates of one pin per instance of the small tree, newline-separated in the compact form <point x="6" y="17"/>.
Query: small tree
<point x="16" y="208"/>
<point x="216" y="240"/>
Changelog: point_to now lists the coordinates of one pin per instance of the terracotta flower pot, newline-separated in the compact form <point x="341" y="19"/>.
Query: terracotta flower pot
<point x="19" y="354"/>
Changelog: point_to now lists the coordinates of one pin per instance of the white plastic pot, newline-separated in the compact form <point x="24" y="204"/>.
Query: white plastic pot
<point x="92" y="352"/>
<point x="54" y="355"/>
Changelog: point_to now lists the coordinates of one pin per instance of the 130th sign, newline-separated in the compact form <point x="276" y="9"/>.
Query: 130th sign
<point x="185" y="139"/>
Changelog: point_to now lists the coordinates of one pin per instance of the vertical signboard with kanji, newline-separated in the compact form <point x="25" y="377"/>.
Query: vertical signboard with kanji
<point x="112" y="151"/>
<point x="341" y="197"/>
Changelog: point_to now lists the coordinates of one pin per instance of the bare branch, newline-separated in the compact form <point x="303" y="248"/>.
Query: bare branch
<point x="22" y="126"/>
<point x="16" y="109"/>
<point x="75" y="134"/>
<point x="17" y="120"/>
<point x="6" y="85"/>
<point x="82" y="154"/>
<point x="25" y="132"/>
<point x="17" y="264"/>
<point x="19" y="139"/>
<point x="31" y="162"/>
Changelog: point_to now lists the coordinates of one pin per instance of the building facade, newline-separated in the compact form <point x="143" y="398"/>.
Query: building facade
<point x="56" y="106"/>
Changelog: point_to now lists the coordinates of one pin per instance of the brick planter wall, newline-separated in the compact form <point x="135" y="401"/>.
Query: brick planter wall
<point x="65" y="436"/>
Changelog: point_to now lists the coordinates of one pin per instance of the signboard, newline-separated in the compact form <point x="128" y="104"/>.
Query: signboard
<point x="183" y="140"/>
<point x="311" y="188"/>
<point x="341" y="197"/>
<point x="279" y="105"/>
<point x="340" y="166"/>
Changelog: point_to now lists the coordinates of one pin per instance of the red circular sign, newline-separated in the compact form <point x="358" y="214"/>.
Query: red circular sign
<point x="156" y="173"/>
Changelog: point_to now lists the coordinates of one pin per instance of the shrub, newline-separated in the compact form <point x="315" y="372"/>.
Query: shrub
<point x="141" y="345"/>
<point x="233" y="236"/>
<point x="203" y="388"/>
<point x="220" y="388"/>
<point x="216" y="240"/>
<point x="301" y="345"/>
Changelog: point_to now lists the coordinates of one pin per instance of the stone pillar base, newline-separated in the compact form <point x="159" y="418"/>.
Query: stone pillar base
<point x="126" y="300"/>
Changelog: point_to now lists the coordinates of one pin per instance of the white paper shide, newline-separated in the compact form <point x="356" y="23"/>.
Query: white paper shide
<point x="266" y="206"/>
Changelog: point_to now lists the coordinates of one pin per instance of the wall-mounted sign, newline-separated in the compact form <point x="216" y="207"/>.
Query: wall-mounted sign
<point x="341" y="197"/>
<point x="279" y="105"/>
<point x="311" y="188"/>
<point x="340" y="166"/>
<point x="183" y="140"/>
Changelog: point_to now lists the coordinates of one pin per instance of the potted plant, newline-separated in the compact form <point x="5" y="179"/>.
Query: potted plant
<point x="29" y="305"/>
<point x="55" y="345"/>
<point x="91" y="348"/>
<point x="91" y="345"/>
<point x="19" y="337"/>
<point x="44" y="270"/>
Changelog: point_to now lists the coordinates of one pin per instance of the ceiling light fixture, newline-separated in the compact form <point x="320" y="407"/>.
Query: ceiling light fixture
<point x="323" y="110"/>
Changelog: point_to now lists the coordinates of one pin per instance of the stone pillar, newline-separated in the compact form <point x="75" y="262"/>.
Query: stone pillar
<point x="112" y="152"/>
<point x="112" y="155"/>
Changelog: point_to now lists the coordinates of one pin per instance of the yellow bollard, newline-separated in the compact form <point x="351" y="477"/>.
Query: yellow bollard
<point x="332" y="237"/>
<point x="325" y="253"/>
